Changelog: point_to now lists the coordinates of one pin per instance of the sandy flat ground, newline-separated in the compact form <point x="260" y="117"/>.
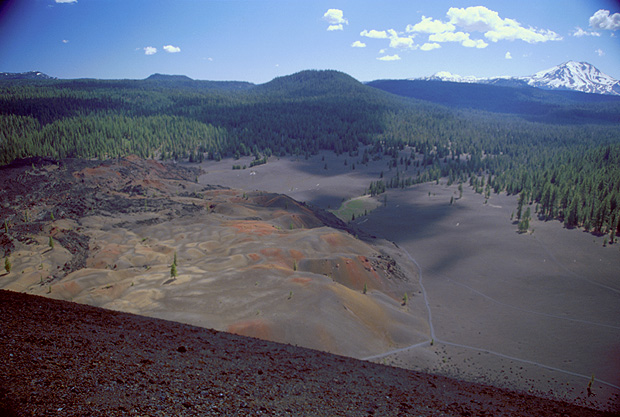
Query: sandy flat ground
<point x="301" y="179"/>
<point x="537" y="311"/>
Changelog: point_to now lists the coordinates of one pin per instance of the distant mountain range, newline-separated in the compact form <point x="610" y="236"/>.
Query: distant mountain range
<point x="31" y="75"/>
<point x="571" y="75"/>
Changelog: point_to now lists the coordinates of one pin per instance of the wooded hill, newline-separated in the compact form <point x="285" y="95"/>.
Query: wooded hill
<point x="562" y="150"/>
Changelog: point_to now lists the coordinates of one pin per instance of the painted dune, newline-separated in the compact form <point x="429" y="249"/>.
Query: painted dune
<point x="253" y="263"/>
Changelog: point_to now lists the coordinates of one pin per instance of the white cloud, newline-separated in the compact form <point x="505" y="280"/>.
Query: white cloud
<point x="461" y="37"/>
<point x="149" y="50"/>
<point x="334" y="27"/>
<point x="449" y="37"/>
<point x="65" y="41"/>
<point x="508" y="55"/>
<point x="477" y="18"/>
<point x="335" y="18"/>
<point x="172" y="49"/>
<point x="375" y="34"/>
<point x="474" y="43"/>
<point x="428" y="25"/>
<point x="358" y="44"/>
<point x="602" y="20"/>
<point x="430" y="46"/>
<point x="580" y="33"/>
<point x="399" y="42"/>
<point x="389" y="58"/>
<point x="600" y="52"/>
<point x="481" y="19"/>
<point x="66" y="1"/>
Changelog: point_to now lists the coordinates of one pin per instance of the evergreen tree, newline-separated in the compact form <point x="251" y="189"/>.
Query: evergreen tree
<point x="522" y="198"/>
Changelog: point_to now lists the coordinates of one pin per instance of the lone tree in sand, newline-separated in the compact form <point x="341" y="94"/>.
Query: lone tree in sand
<point x="173" y="267"/>
<point x="7" y="265"/>
<point x="51" y="243"/>
<point x="524" y="224"/>
<point x="522" y="200"/>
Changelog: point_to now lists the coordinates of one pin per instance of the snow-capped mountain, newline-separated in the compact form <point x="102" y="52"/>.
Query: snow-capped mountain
<point x="571" y="75"/>
<point x="31" y="75"/>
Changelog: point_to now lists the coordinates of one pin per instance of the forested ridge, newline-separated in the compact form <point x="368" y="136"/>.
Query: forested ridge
<point x="565" y="160"/>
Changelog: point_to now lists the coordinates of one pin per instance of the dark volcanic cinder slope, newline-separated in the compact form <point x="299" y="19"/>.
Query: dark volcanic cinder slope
<point x="62" y="358"/>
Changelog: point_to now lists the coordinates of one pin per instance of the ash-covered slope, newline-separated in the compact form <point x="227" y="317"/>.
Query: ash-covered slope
<point x="63" y="358"/>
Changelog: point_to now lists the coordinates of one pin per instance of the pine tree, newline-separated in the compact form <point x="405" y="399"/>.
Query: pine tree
<point x="173" y="267"/>
<point x="7" y="265"/>
<point x="522" y="198"/>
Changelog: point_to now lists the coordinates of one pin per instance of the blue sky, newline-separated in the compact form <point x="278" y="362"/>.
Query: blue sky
<point x="258" y="40"/>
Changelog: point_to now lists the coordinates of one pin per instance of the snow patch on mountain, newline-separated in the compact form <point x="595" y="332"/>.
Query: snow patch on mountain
<point x="571" y="75"/>
<point x="448" y="76"/>
<point x="31" y="75"/>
